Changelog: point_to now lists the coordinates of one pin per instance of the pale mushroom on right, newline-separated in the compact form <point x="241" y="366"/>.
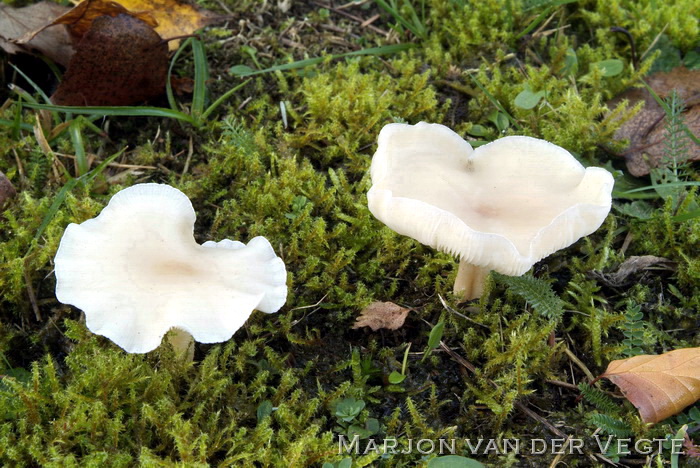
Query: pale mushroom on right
<point x="502" y="207"/>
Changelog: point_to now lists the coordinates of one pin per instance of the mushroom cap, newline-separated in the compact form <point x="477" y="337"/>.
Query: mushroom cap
<point x="136" y="271"/>
<point x="504" y="206"/>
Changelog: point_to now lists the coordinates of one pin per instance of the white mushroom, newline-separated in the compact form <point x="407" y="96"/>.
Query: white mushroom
<point x="136" y="271"/>
<point x="503" y="207"/>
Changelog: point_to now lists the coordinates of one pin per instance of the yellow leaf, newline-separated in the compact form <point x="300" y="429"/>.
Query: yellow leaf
<point x="169" y="18"/>
<point x="174" y="18"/>
<point x="659" y="386"/>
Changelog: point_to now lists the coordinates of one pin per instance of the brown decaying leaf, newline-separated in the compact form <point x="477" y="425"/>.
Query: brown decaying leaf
<point x="631" y="267"/>
<point x="7" y="190"/>
<point x="646" y="130"/>
<point x="385" y="315"/>
<point x="659" y="386"/>
<point x="182" y="85"/>
<point x="119" y="61"/>
<point x="80" y="18"/>
<point x="15" y="23"/>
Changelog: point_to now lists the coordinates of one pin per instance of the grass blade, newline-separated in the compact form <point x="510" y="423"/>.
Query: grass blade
<point x="76" y="137"/>
<point x="416" y="27"/>
<point x="654" y="187"/>
<point x="53" y="209"/>
<point x="389" y="49"/>
<point x="61" y="195"/>
<point x="201" y="75"/>
<point x="124" y="111"/>
<point x="221" y="99"/>
<point x="34" y="85"/>
<point x="495" y="102"/>
<point x="541" y="17"/>
<point x="168" y="84"/>
<point x="13" y="123"/>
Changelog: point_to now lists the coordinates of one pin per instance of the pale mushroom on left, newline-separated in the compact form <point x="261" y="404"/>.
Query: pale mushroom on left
<point x="137" y="272"/>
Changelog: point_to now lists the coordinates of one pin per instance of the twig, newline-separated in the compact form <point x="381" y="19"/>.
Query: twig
<point x="352" y="17"/>
<point x="653" y="43"/>
<point x="541" y="420"/>
<point x="369" y="21"/>
<point x="296" y="322"/>
<point x="579" y="363"/>
<point x="450" y="309"/>
<point x="190" y="151"/>
<point x="559" y="383"/>
<point x="560" y="454"/>
<point x="30" y="293"/>
<point x="112" y="164"/>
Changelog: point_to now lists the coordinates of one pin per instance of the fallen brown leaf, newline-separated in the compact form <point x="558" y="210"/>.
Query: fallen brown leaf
<point x="659" y="386"/>
<point x="385" y="315"/>
<point x="7" y="190"/>
<point x="80" y="18"/>
<point x="15" y="23"/>
<point x="169" y="18"/>
<point x="633" y="266"/>
<point x="646" y="130"/>
<point x="182" y="85"/>
<point x="118" y="62"/>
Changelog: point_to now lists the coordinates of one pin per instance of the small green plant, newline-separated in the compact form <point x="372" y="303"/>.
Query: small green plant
<point x="454" y="461"/>
<point x="347" y="412"/>
<point x="434" y="339"/>
<point x="608" y="420"/>
<point x="407" y="16"/>
<point x="670" y="180"/>
<point x="528" y="99"/>
<point x="537" y="292"/>
<point x="395" y="377"/>
<point x="264" y="410"/>
<point x="299" y="203"/>
<point x="633" y="328"/>
<point x="344" y="463"/>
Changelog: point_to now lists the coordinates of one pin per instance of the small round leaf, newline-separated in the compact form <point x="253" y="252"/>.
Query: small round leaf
<point x="527" y="99"/>
<point x="454" y="461"/>
<point x="610" y="67"/>
<point x="396" y="377"/>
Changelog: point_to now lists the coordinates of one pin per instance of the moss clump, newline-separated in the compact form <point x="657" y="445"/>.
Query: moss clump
<point x="343" y="109"/>
<point x="645" y="20"/>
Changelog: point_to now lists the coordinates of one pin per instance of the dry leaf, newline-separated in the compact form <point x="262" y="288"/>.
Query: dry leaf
<point x="174" y="18"/>
<point x="119" y="61"/>
<point x="80" y="18"/>
<point x="182" y="85"/>
<point x="646" y="130"/>
<point x="385" y="315"/>
<point x="169" y="18"/>
<point x="659" y="386"/>
<point x="7" y="190"/>
<point x="632" y="266"/>
<point x="15" y="23"/>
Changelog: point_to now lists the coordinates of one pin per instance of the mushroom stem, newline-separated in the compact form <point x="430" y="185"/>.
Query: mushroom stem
<point x="470" y="280"/>
<point x="182" y="342"/>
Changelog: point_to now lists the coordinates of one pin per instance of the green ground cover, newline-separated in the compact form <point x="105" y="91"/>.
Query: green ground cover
<point x="286" y="157"/>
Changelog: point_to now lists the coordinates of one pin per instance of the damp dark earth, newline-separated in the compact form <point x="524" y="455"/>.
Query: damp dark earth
<point x="308" y="279"/>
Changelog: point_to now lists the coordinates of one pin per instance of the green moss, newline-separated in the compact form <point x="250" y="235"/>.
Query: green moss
<point x="645" y="20"/>
<point x="343" y="109"/>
